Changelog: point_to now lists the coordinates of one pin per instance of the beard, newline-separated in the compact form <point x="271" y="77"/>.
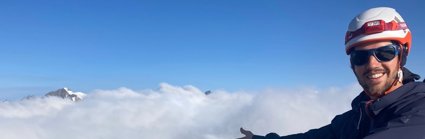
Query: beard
<point x="377" y="90"/>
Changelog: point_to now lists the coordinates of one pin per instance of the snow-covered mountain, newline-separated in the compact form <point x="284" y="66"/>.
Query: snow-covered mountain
<point x="65" y="93"/>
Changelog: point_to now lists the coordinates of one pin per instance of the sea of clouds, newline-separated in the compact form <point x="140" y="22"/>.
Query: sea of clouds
<point x="173" y="112"/>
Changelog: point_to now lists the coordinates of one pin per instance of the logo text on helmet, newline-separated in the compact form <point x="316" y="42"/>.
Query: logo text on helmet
<point x="374" y="23"/>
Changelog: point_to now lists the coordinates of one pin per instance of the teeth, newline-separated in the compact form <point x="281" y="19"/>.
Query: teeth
<point x="374" y="76"/>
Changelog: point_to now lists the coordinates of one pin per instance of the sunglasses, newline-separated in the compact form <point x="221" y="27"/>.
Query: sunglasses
<point x="382" y="54"/>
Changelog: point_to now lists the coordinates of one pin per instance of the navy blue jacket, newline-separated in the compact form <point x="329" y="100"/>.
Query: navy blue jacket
<point x="399" y="114"/>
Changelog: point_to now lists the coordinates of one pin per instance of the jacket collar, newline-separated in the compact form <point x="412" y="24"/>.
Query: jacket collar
<point x="405" y="90"/>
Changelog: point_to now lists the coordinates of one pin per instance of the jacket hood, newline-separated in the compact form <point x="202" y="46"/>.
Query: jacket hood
<point x="408" y="76"/>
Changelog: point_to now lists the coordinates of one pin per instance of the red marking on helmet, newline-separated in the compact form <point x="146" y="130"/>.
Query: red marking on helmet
<point x="376" y="26"/>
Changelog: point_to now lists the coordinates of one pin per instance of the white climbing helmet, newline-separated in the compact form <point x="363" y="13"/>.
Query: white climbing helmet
<point x="377" y="24"/>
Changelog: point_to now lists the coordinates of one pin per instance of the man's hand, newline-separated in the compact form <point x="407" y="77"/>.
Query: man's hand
<point x="248" y="134"/>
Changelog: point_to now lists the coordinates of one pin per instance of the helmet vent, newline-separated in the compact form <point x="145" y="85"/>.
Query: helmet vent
<point x="397" y="19"/>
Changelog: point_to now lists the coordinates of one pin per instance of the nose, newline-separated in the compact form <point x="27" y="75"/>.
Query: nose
<point x="373" y="62"/>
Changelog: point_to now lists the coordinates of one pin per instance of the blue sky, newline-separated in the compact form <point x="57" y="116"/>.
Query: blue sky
<point x="211" y="44"/>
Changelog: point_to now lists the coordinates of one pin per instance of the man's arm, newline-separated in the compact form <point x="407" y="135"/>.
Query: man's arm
<point x="342" y="126"/>
<point x="324" y="132"/>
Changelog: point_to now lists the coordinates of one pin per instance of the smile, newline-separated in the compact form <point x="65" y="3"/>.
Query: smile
<point x="375" y="76"/>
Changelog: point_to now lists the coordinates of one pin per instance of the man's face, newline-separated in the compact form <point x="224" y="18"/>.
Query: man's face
<point x="376" y="76"/>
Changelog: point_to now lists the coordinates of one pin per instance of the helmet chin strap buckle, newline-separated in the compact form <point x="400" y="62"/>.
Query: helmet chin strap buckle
<point x="400" y="75"/>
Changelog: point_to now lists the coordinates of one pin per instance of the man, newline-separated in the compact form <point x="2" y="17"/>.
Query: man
<point x="392" y="104"/>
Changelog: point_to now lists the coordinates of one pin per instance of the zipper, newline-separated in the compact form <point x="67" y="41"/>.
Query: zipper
<point x="360" y="119"/>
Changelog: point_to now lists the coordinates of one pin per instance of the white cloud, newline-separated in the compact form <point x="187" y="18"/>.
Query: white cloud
<point x="172" y="112"/>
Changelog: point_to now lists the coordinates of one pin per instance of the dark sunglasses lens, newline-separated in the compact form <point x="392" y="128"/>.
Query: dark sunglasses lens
<point x="386" y="53"/>
<point x="359" y="57"/>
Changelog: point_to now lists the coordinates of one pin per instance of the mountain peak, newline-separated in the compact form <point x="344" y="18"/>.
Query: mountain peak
<point x="66" y="93"/>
